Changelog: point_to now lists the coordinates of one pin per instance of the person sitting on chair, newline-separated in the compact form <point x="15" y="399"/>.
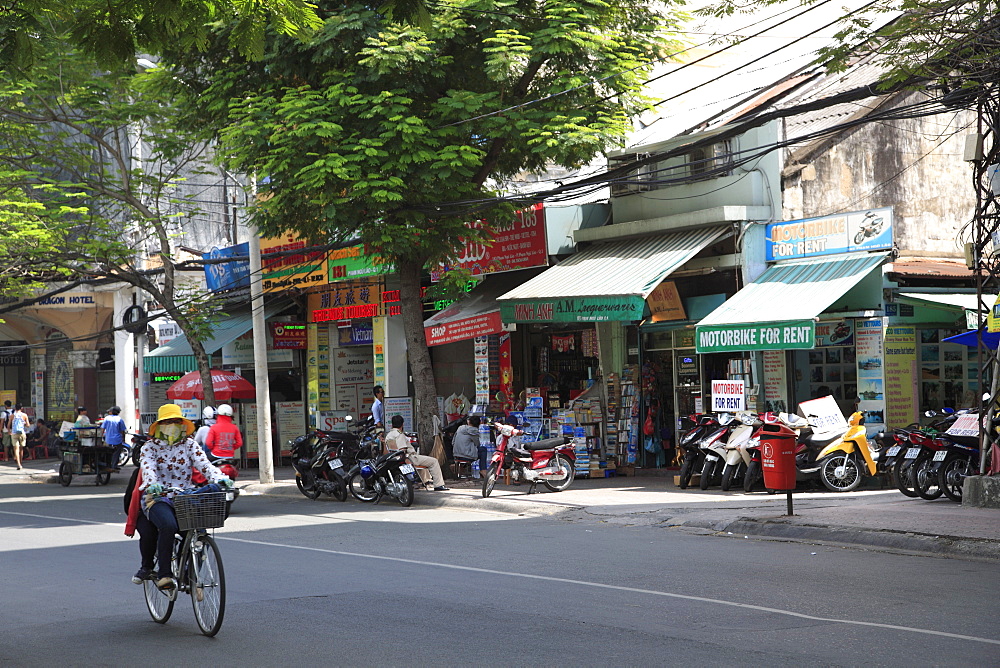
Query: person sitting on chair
<point x="397" y="439"/>
<point x="466" y="443"/>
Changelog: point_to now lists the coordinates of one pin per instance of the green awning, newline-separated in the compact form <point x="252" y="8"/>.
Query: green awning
<point x="778" y="311"/>
<point x="176" y="354"/>
<point x="607" y="281"/>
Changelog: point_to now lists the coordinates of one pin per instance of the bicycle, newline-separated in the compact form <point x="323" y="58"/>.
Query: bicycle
<point x="196" y="564"/>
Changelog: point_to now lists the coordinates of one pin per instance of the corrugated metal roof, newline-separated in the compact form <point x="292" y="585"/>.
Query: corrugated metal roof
<point x="794" y="290"/>
<point x="931" y="268"/>
<point x="955" y="300"/>
<point x="630" y="267"/>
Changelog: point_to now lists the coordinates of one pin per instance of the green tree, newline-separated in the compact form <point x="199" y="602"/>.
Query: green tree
<point x="369" y="125"/>
<point x="91" y="164"/>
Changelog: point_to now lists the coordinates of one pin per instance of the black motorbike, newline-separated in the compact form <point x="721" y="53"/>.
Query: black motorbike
<point x="317" y="463"/>
<point x="690" y="441"/>
<point x="386" y="474"/>
<point x="133" y="451"/>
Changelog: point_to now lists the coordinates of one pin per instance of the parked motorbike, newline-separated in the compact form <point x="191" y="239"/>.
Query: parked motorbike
<point x="690" y="442"/>
<point x="387" y="474"/>
<point x="737" y="457"/>
<point x="132" y="451"/>
<point x="844" y="462"/>
<point x="713" y="445"/>
<point x="871" y="226"/>
<point x="920" y="447"/>
<point x="318" y="466"/>
<point x="551" y="462"/>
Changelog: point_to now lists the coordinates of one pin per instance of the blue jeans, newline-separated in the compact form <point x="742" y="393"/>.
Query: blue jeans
<point x="161" y="515"/>
<point x="483" y="462"/>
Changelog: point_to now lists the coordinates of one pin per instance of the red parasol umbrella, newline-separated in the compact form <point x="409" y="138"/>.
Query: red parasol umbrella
<point x="227" y="385"/>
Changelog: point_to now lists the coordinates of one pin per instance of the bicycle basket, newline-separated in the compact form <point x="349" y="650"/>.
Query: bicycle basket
<point x="200" y="511"/>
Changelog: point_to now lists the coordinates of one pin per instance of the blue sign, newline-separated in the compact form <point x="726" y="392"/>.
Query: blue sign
<point x="829" y="235"/>
<point x="356" y="335"/>
<point x="227" y="275"/>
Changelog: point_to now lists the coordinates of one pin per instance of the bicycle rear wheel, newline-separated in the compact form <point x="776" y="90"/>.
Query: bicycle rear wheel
<point x="160" y="603"/>
<point x="208" y="585"/>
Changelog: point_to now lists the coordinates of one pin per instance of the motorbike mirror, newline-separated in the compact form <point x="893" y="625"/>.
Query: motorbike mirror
<point x="986" y="396"/>
<point x="348" y="418"/>
<point x="929" y="413"/>
<point x="947" y="410"/>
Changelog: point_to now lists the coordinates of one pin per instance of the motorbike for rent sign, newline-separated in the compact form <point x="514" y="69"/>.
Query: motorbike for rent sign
<point x="824" y="415"/>
<point x="827" y="235"/>
<point x="797" y="334"/>
<point x="728" y="396"/>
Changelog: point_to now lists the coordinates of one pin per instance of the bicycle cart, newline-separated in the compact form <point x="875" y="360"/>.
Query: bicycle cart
<point x="84" y="453"/>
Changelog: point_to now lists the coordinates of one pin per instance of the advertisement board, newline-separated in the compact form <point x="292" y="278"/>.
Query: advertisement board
<point x="827" y="235"/>
<point x="517" y="244"/>
<point x="728" y="396"/>
<point x="228" y="275"/>
<point x="345" y="264"/>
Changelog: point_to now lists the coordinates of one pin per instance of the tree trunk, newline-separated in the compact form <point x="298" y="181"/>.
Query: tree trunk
<point x="412" y="306"/>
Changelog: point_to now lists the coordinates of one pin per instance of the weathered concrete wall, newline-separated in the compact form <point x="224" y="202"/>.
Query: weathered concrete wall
<point x="913" y="165"/>
<point x="981" y="491"/>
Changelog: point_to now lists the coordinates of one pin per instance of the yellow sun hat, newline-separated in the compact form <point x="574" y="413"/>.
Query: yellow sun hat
<point x="171" y="412"/>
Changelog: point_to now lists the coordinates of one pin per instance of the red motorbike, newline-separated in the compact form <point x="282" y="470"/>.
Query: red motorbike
<point x="551" y="462"/>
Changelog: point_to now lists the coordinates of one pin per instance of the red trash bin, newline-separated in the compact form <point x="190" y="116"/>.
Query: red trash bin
<point x="777" y="454"/>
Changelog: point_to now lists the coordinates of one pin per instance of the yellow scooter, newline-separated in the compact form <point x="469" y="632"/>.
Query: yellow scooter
<point x="844" y="462"/>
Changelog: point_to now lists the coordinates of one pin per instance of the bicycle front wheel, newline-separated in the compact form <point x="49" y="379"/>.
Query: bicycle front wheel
<point x="208" y="585"/>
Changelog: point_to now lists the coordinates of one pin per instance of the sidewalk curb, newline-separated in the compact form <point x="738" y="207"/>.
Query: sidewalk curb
<point x="925" y="544"/>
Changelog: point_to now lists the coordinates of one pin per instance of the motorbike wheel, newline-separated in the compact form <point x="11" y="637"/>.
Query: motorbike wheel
<point x="65" y="474"/>
<point x="706" y="474"/>
<point x="124" y="456"/>
<point x="567" y="466"/>
<point x="406" y="497"/>
<point x="359" y="490"/>
<point x="901" y="473"/>
<point x="136" y="455"/>
<point x="340" y="490"/>
<point x="686" y="472"/>
<point x="311" y="493"/>
<point x="728" y="475"/>
<point x="840" y="473"/>
<point x="859" y="237"/>
<point x="492" y="471"/>
<point x="952" y="475"/>
<point x="752" y="475"/>
<point x="925" y="482"/>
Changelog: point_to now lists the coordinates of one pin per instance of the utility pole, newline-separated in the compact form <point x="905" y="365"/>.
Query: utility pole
<point x="260" y="362"/>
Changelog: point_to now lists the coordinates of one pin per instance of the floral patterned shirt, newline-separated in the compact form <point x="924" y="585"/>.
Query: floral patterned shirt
<point x="170" y="465"/>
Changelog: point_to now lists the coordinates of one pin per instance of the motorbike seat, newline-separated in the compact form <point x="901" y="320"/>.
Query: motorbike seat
<point x="821" y="441"/>
<point x="547" y="444"/>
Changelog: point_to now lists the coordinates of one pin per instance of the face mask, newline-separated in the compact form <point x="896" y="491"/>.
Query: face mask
<point x="171" y="432"/>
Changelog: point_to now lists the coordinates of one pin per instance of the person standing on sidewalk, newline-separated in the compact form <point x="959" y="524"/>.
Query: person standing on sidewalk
<point x="5" y="426"/>
<point x="114" y="434"/>
<point x="378" y="410"/>
<point x="18" y="432"/>
<point x="397" y="439"/>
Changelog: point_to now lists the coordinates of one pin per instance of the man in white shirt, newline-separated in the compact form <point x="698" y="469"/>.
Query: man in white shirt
<point x="396" y="439"/>
<point x="378" y="410"/>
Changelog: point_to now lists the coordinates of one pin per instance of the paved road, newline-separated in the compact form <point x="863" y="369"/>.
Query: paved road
<point x="354" y="584"/>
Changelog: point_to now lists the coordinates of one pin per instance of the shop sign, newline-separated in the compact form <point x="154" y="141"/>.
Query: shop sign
<point x="167" y="331"/>
<point x="517" y="244"/>
<point x="838" y="333"/>
<point x="165" y="377"/>
<point x="790" y="335"/>
<point x="356" y="335"/>
<point x="346" y="302"/>
<point x="289" y="335"/>
<point x="240" y="352"/>
<point x="728" y="396"/>
<point x="665" y="303"/>
<point x="344" y="264"/>
<point x="574" y="309"/>
<point x="466" y="328"/>
<point x="228" y="275"/>
<point x="965" y="425"/>
<point x="14" y="359"/>
<point x="775" y="380"/>
<point x="900" y="346"/>
<point x="299" y="270"/>
<point x="993" y="317"/>
<point x="828" y="235"/>
<point x="69" y="299"/>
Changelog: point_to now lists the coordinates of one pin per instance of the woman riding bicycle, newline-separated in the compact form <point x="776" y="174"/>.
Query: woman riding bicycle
<point x="167" y="461"/>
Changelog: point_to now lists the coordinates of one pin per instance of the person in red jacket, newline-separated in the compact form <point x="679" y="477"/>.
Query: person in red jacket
<point x="224" y="437"/>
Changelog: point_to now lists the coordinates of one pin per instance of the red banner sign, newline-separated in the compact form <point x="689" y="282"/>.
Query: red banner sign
<point x="288" y="335"/>
<point x="517" y="245"/>
<point x="461" y="330"/>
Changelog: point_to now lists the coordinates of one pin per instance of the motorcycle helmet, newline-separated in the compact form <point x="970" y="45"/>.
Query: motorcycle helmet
<point x="208" y="413"/>
<point x="226" y="409"/>
<point x="367" y="471"/>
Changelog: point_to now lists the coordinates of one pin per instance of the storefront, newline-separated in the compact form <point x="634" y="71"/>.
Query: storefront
<point x="813" y="323"/>
<point x="580" y="322"/>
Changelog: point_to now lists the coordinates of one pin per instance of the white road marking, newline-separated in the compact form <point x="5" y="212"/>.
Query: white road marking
<point x="637" y="590"/>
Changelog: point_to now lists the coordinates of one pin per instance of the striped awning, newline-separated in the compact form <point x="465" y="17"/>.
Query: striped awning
<point x="608" y="281"/>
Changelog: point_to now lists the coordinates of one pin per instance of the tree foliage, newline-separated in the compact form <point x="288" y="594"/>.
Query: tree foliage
<point x="91" y="162"/>
<point x="369" y="125"/>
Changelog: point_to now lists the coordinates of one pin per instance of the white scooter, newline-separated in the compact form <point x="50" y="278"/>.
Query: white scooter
<point x="737" y="454"/>
<point x="714" y="447"/>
